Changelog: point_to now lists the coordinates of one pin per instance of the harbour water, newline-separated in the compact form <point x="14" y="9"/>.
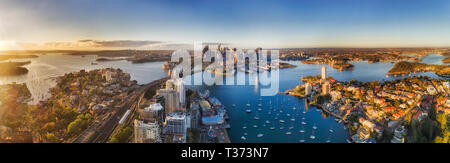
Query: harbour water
<point x="45" y="68"/>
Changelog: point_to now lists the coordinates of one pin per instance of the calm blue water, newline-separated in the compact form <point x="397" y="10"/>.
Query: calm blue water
<point x="240" y="95"/>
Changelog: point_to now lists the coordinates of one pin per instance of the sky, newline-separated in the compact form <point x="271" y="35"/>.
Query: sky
<point x="78" y="24"/>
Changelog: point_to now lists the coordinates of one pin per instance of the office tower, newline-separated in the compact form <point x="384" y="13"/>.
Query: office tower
<point x="181" y="90"/>
<point x="326" y="88"/>
<point x="171" y="99"/>
<point x="308" y="88"/>
<point x="324" y="73"/>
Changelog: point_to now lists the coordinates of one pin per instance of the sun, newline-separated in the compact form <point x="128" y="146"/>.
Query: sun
<point x="8" y="45"/>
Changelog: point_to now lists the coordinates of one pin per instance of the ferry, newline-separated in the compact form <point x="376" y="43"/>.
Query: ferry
<point x="248" y="111"/>
<point x="288" y="133"/>
<point x="260" y="135"/>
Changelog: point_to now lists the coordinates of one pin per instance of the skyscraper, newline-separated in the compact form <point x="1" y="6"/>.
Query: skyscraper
<point x="326" y="88"/>
<point x="171" y="100"/>
<point x="324" y="73"/>
<point x="307" y="89"/>
<point x="181" y="90"/>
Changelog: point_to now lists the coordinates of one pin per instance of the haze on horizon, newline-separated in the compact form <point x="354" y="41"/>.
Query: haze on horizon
<point x="172" y="24"/>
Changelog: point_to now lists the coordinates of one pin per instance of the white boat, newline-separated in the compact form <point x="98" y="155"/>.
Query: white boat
<point x="314" y="127"/>
<point x="259" y="109"/>
<point x="260" y="135"/>
<point x="302" y="131"/>
<point x="331" y="130"/>
<point x="245" y="134"/>
<point x="302" y="141"/>
<point x="312" y="137"/>
<point x="292" y="119"/>
<point x="303" y="118"/>
<point x="255" y="126"/>
<point x="256" y="118"/>
<point x="290" y="128"/>
<point x="243" y="138"/>
<point x="328" y="141"/>
<point x="288" y="133"/>
<point x="248" y="105"/>
<point x="281" y="128"/>
<point x="267" y="121"/>
<point x="272" y="128"/>
<point x="304" y="112"/>
<point x="294" y="108"/>
<point x="281" y="121"/>
<point x="244" y="127"/>
<point x="259" y="104"/>
<point x="248" y="111"/>
<point x="288" y="115"/>
<point x="303" y="123"/>
<point x="234" y="105"/>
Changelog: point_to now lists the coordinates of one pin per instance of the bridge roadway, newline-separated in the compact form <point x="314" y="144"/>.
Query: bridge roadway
<point x="100" y="133"/>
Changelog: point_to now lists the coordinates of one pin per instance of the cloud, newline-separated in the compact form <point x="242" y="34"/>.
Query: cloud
<point x="89" y="44"/>
<point x="118" y="43"/>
